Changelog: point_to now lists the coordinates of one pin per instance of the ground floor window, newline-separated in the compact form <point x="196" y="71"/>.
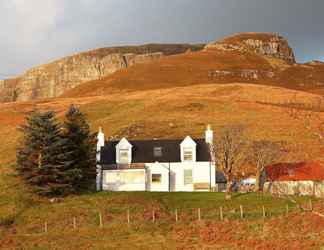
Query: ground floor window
<point x="187" y="175"/>
<point x="121" y="178"/>
<point x="156" y="178"/>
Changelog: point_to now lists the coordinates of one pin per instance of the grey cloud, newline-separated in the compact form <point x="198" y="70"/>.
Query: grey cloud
<point x="37" y="31"/>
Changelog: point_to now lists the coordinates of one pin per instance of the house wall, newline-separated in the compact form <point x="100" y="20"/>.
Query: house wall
<point x="295" y="188"/>
<point x="177" y="170"/>
<point x="202" y="173"/>
<point x="157" y="168"/>
<point x="124" y="180"/>
<point x="141" y="180"/>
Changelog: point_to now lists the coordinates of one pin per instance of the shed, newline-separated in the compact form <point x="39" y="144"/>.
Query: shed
<point x="303" y="178"/>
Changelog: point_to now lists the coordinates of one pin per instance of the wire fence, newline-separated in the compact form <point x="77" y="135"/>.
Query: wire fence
<point x="137" y="217"/>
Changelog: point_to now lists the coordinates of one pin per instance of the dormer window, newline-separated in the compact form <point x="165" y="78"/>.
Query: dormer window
<point x="157" y="151"/>
<point x="124" y="152"/>
<point x="123" y="156"/>
<point x="187" y="153"/>
<point x="188" y="150"/>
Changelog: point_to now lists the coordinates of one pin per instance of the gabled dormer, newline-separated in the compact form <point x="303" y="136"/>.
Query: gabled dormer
<point x="188" y="150"/>
<point x="124" y="152"/>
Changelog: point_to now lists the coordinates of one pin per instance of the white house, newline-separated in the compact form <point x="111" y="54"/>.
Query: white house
<point x="155" y="165"/>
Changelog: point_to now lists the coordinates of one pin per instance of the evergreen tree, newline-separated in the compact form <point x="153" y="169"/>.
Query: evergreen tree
<point x="29" y="150"/>
<point x="41" y="154"/>
<point x="80" y="164"/>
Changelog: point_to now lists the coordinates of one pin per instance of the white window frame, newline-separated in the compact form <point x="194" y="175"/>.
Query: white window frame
<point x="188" y="146"/>
<point x="185" y="178"/>
<point x="157" y="152"/>
<point x="186" y="152"/>
<point x="123" y="159"/>
<point x="160" y="178"/>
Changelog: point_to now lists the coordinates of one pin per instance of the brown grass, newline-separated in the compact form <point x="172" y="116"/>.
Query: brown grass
<point x="177" y="112"/>
<point x="195" y="68"/>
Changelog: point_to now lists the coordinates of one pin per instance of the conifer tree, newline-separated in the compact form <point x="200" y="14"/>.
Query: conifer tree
<point x="41" y="154"/>
<point x="29" y="151"/>
<point x="57" y="159"/>
<point x="80" y="164"/>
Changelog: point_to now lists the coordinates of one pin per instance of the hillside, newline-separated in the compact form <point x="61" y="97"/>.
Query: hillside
<point x="73" y="222"/>
<point x="166" y="96"/>
<point x="177" y="112"/>
<point x="261" y="58"/>
<point x="267" y="44"/>
<point x="245" y="58"/>
<point x="53" y="79"/>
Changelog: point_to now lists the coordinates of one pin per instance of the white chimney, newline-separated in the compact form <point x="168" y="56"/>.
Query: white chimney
<point x="209" y="135"/>
<point x="100" y="142"/>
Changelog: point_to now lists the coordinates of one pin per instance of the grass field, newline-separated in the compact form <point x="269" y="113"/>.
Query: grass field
<point x="23" y="217"/>
<point x="159" y="113"/>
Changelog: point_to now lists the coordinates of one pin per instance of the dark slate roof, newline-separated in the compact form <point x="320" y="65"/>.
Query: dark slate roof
<point x="142" y="151"/>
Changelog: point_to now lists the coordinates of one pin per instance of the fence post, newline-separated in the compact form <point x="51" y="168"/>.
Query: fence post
<point x="128" y="217"/>
<point x="45" y="227"/>
<point x="221" y="213"/>
<point x="100" y="220"/>
<point x="310" y="205"/>
<point x="74" y="223"/>
<point x="199" y="215"/>
<point x="153" y="216"/>
<point x="287" y="209"/>
<point x="263" y="212"/>
<point x="176" y="215"/>
<point x="241" y="211"/>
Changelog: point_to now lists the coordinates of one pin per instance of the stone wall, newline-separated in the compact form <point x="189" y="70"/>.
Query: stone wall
<point x="315" y="188"/>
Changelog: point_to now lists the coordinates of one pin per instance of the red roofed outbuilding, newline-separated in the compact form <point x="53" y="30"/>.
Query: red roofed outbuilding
<point x="303" y="178"/>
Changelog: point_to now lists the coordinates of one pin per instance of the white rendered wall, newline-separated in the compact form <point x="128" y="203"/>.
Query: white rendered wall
<point x="157" y="168"/>
<point x="122" y="186"/>
<point x="177" y="170"/>
<point x="202" y="172"/>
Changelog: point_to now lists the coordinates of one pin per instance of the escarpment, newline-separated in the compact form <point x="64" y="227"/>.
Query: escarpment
<point x="53" y="79"/>
<point x="266" y="44"/>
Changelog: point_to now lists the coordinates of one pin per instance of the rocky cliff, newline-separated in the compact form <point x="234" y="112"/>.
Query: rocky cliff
<point x="53" y="79"/>
<point x="266" y="44"/>
<point x="8" y="89"/>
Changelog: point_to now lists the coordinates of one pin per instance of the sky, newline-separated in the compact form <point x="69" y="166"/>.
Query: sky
<point x="34" y="32"/>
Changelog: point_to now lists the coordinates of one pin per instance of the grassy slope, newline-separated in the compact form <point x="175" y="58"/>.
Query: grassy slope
<point x="27" y="213"/>
<point x="173" y="112"/>
<point x="154" y="112"/>
<point x="177" y="112"/>
<point x="196" y="68"/>
<point x="178" y="70"/>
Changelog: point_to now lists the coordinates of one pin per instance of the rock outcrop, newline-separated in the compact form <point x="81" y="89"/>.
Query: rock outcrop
<point x="53" y="79"/>
<point x="8" y="90"/>
<point x="248" y="74"/>
<point x="266" y="44"/>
